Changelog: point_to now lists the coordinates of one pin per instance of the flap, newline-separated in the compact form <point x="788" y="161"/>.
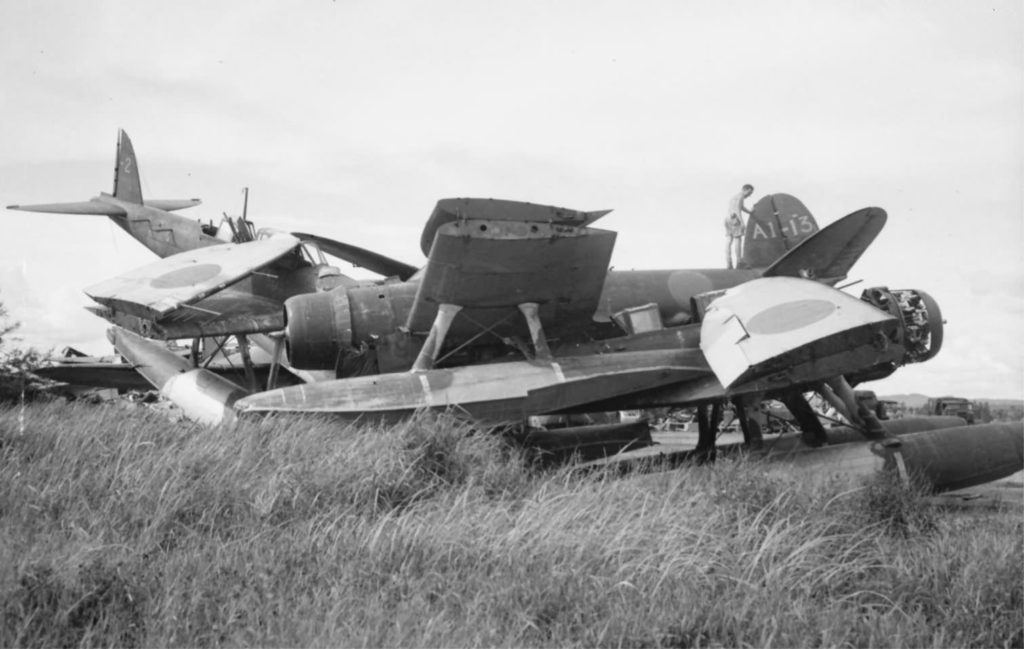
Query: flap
<point x="157" y="289"/>
<point x="488" y="264"/>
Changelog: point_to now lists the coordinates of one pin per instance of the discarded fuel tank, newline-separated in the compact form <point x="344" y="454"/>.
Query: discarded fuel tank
<point x="943" y="459"/>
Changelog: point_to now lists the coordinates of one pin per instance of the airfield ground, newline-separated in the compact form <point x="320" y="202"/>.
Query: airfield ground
<point x="120" y="528"/>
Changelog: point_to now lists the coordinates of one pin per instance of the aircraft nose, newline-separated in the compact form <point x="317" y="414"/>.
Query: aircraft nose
<point x="935" y="325"/>
<point x="919" y="318"/>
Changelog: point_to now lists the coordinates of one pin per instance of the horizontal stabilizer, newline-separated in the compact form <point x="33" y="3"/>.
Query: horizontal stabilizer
<point x="96" y="207"/>
<point x="372" y="261"/>
<point x="185" y="278"/>
<point x="93" y="208"/>
<point x="829" y="253"/>
<point x="779" y="323"/>
<point x="172" y="204"/>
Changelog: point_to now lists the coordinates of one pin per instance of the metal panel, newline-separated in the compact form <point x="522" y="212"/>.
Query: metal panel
<point x="161" y="287"/>
<point x="490" y="264"/>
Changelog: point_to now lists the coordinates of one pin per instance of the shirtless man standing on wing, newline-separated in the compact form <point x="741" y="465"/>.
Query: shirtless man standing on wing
<point x="734" y="227"/>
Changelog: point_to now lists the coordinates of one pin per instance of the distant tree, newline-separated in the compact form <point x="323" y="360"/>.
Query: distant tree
<point x="982" y="412"/>
<point x="1008" y="412"/>
<point x="17" y="364"/>
<point x="5" y="327"/>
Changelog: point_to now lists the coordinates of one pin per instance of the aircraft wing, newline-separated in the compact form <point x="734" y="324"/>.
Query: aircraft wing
<point x="454" y="209"/>
<point x="186" y="295"/>
<point x="226" y="313"/>
<point x="797" y="329"/>
<point x="490" y="259"/>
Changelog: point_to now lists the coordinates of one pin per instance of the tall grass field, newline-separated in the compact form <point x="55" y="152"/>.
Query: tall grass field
<point x="119" y="528"/>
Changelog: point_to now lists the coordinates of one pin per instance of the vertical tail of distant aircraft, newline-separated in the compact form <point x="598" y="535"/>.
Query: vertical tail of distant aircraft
<point x="776" y="225"/>
<point x="148" y="222"/>
<point x="127" y="186"/>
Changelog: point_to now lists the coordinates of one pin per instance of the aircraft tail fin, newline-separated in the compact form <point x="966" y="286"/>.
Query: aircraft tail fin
<point x="127" y="187"/>
<point x="777" y="224"/>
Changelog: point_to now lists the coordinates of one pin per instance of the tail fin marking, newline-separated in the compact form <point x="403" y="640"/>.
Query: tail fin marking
<point x="776" y="225"/>
<point x="127" y="187"/>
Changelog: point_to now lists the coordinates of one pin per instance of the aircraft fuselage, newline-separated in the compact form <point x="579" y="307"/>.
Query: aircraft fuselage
<point x="162" y="232"/>
<point x="384" y="308"/>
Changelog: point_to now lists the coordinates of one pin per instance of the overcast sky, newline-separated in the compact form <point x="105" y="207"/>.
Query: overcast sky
<point x="351" y="119"/>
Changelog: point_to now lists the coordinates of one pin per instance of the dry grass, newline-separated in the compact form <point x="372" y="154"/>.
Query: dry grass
<point x="118" y="528"/>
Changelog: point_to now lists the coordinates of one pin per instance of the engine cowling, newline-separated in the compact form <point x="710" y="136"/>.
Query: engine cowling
<point x="920" y="325"/>
<point x="318" y="329"/>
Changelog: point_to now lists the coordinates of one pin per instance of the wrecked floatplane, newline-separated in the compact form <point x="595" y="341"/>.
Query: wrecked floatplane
<point x="516" y="314"/>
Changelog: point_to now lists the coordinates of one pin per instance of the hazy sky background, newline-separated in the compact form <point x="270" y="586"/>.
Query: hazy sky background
<point x="351" y="119"/>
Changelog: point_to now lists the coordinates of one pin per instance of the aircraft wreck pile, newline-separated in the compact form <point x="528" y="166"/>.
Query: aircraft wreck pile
<point x="516" y="314"/>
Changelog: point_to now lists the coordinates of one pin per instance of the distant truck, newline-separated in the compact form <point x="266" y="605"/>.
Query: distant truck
<point x="952" y="406"/>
